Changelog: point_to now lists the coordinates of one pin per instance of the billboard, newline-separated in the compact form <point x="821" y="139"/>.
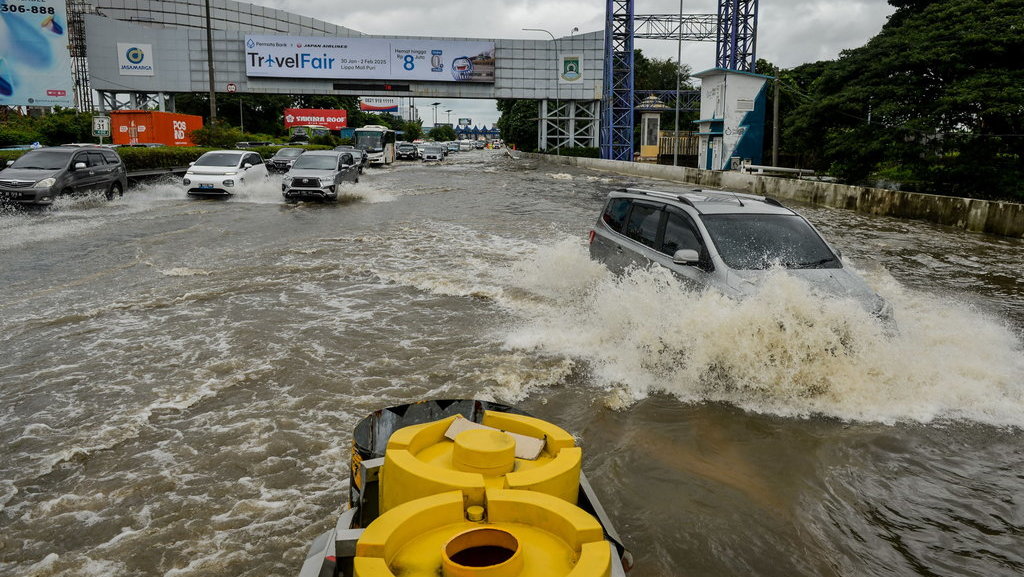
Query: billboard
<point x="35" y="65"/>
<point x="370" y="104"/>
<point x="369" y="58"/>
<point x="331" y="119"/>
<point x="465" y="121"/>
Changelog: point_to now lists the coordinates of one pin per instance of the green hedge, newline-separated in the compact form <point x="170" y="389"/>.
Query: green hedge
<point x="163" y="156"/>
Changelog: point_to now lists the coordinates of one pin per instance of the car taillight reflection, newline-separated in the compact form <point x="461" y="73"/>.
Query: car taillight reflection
<point x="590" y="239"/>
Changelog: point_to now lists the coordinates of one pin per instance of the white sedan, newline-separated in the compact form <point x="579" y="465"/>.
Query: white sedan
<point x="219" y="173"/>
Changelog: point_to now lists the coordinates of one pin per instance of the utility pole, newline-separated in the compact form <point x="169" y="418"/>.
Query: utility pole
<point x="209" y="64"/>
<point x="558" y="142"/>
<point x="775" y="125"/>
<point x="679" y="73"/>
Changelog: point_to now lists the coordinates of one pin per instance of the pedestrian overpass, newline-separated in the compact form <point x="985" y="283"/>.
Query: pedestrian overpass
<point x="141" y="52"/>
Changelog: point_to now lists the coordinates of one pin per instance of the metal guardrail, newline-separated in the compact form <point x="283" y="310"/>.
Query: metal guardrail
<point x="152" y="172"/>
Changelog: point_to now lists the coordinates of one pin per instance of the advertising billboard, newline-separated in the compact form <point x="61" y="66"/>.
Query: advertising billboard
<point x="465" y="121"/>
<point x="371" y="104"/>
<point x="369" y="58"/>
<point x="331" y="119"/>
<point x="35" y="65"/>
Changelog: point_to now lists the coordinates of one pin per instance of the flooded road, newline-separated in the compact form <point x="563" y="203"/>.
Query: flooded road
<point x="179" y="379"/>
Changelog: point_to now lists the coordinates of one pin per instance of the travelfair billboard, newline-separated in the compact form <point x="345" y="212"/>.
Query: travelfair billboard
<point x="35" y="65"/>
<point x="369" y="58"/>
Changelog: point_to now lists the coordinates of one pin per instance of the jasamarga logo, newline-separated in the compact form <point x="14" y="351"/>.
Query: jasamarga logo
<point x="135" y="57"/>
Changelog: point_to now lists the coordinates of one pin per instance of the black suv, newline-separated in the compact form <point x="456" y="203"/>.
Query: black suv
<point x="40" y="175"/>
<point x="407" y="150"/>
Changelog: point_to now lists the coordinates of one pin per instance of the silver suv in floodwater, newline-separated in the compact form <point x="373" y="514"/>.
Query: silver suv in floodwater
<point x="722" y="240"/>
<point x="317" y="175"/>
<point x="40" y="175"/>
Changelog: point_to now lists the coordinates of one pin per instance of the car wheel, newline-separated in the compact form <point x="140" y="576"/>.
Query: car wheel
<point x="115" y="190"/>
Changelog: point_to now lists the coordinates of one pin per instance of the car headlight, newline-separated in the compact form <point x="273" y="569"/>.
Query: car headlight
<point x="45" y="183"/>
<point x="229" y="182"/>
<point x="286" y="180"/>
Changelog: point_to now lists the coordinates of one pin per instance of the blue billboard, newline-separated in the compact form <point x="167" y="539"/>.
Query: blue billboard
<point x="35" y="64"/>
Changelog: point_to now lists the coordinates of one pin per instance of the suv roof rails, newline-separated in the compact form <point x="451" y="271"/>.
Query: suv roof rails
<point x="660" y="194"/>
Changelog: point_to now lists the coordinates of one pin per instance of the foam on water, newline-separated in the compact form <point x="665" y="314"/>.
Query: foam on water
<point x="785" y="351"/>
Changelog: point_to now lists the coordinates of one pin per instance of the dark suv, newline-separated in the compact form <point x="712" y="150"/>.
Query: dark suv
<point x="40" y="175"/>
<point x="407" y="151"/>
<point x="722" y="240"/>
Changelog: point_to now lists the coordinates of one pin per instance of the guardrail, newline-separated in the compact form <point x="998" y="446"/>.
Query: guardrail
<point x="153" y="172"/>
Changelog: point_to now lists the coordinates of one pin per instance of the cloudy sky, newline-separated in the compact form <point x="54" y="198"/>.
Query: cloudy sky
<point x="790" y="32"/>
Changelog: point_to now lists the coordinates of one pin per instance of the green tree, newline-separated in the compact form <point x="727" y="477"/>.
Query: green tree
<point x="219" y="134"/>
<point x="518" y="123"/>
<point x="413" y="130"/>
<point x="935" y="98"/>
<point x="442" y="133"/>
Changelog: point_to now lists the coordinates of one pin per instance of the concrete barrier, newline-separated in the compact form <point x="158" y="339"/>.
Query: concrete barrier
<point x="975" y="215"/>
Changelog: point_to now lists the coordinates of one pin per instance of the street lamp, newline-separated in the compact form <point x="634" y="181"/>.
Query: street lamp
<point x="209" y="65"/>
<point x="558" y="150"/>
<point x="435" y="105"/>
<point x="449" y="116"/>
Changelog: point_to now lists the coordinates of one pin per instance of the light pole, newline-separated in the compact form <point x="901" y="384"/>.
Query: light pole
<point x="449" y="112"/>
<point x="679" y="73"/>
<point x="435" y="105"/>
<point x="209" y="64"/>
<point x="558" y="143"/>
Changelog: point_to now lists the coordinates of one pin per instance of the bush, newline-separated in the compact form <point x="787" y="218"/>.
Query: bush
<point x="217" y="135"/>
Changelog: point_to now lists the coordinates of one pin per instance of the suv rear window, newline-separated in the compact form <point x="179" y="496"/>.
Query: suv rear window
<point x="643" y="224"/>
<point x="615" y="213"/>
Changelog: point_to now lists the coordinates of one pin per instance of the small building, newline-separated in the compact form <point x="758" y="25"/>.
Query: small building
<point x="732" y="115"/>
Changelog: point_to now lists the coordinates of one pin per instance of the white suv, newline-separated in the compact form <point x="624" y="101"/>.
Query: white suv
<point x="722" y="240"/>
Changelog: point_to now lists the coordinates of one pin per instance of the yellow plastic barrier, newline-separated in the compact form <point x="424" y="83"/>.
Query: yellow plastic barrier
<point x="518" y="534"/>
<point x="420" y="461"/>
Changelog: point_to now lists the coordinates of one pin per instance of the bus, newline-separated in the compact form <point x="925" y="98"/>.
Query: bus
<point x="378" y="142"/>
<point x="306" y="131"/>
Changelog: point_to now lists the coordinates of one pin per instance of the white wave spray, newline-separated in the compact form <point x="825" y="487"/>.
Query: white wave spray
<point x="784" y="351"/>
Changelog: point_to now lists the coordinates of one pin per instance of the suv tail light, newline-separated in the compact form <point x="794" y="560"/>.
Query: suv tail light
<point x="590" y="239"/>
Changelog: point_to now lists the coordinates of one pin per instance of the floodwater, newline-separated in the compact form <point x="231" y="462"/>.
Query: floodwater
<point x="179" y="378"/>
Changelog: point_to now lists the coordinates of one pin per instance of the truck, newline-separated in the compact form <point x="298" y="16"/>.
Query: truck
<point x="141" y="127"/>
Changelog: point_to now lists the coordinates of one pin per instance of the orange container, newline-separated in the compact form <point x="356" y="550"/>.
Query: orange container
<point x="152" y="126"/>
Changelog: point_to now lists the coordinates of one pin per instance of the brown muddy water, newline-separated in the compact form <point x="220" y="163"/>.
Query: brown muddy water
<point x="179" y="379"/>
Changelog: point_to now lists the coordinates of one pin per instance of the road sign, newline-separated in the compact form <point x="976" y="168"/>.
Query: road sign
<point x="101" y="126"/>
<point x="232" y="88"/>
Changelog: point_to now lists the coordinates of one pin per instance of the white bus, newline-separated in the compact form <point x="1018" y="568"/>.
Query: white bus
<point x="378" y="142"/>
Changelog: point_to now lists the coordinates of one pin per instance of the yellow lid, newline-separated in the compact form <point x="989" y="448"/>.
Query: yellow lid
<point x="484" y="451"/>
<point x="421" y="460"/>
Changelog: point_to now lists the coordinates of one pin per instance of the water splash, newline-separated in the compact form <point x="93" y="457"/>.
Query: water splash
<point x="785" y="351"/>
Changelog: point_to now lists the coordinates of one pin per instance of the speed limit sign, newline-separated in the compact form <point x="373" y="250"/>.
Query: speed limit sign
<point x="231" y="87"/>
